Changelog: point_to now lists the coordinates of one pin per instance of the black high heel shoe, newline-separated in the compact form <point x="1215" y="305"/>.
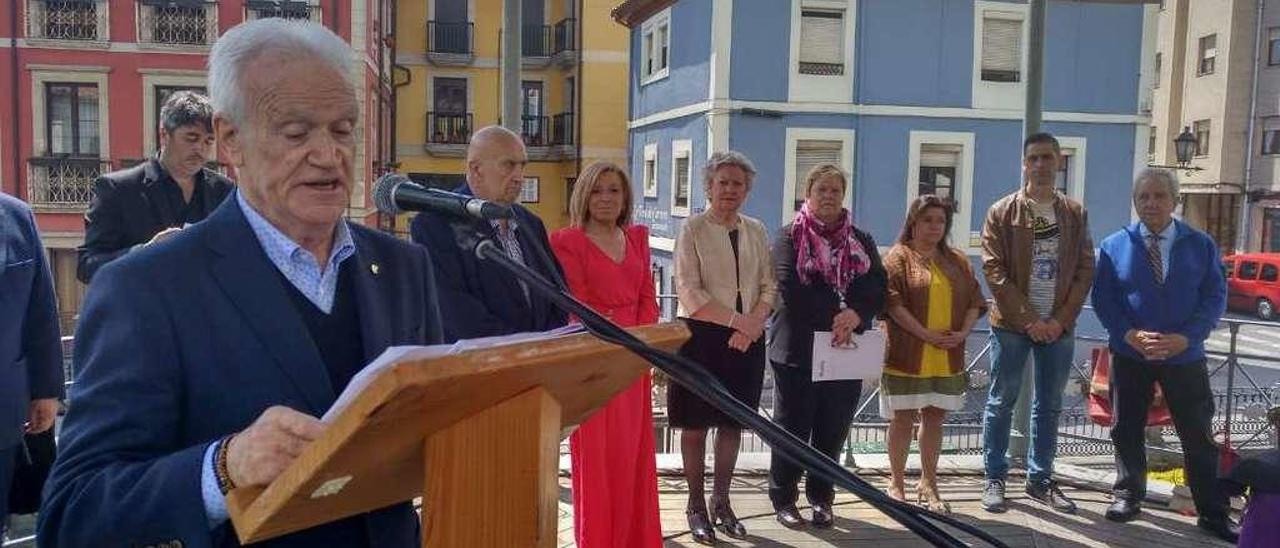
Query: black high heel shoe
<point x="726" y="520"/>
<point x="700" y="527"/>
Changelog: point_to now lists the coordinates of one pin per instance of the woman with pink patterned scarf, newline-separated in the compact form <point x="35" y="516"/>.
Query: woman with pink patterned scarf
<point x="829" y="279"/>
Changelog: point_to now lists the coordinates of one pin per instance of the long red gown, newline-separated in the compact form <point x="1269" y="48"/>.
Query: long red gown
<point x="615" y="482"/>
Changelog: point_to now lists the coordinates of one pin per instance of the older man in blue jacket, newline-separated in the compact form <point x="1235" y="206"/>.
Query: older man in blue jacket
<point x="1159" y="291"/>
<point x="203" y="361"/>
<point x="30" y="351"/>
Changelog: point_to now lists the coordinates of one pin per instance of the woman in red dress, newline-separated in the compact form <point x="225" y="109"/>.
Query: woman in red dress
<point x="606" y="264"/>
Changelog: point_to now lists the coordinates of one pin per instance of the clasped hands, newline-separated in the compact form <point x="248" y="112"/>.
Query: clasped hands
<point x="747" y="329"/>
<point x="1156" y="346"/>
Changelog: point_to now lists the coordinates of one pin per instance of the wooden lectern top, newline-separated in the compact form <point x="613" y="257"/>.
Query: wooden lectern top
<point x="371" y="456"/>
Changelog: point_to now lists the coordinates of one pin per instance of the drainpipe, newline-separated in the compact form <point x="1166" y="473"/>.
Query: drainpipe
<point x="16" y="109"/>
<point x="579" y="85"/>
<point x="1242" y="233"/>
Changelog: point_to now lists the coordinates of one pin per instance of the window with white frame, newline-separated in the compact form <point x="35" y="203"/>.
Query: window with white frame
<point x="681" y="177"/>
<point x="1208" y="54"/>
<point x="1001" y="48"/>
<point x="529" y="190"/>
<point x="939" y="165"/>
<point x="1062" y="181"/>
<point x="649" y="175"/>
<point x="1271" y="135"/>
<point x="821" y="42"/>
<point x="811" y="153"/>
<point x="1071" y="168"/>
<point x="655" y="47"/>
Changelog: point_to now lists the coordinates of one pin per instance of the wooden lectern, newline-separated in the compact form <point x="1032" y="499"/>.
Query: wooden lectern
<point x="475" y="434"/>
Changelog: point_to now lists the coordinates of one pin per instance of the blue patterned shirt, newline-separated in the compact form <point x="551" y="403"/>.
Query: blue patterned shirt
<point x="303" y="271"/>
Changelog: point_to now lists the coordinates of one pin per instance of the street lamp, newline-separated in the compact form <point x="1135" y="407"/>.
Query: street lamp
<point x="1184" y="147"/>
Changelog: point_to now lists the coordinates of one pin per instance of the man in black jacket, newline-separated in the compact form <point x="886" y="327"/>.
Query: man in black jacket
<point x="482" y="300"/>
<point x="144" y="204"/>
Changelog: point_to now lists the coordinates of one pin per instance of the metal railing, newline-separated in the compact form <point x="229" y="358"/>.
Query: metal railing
<point x="449" y="128"/>
<point x="562" y="129"/>
<point x="1241" y="406"/>
<point x="185" y="23"/>
<point x="284" y="9"/>
<point x="564" y="36"/>
<point x="535" y="41"/>
<point x="63" y="181"/>
<point x="450" y="37"/>
<point x="67" y="20"/>
<point x="533" y="129"/>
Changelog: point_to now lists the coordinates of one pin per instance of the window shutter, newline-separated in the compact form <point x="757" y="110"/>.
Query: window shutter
<point x="1002" y="48"/>
<point x="682" y="181"/>
<point x="809" y="154"/>
<point x="821" y="42"/>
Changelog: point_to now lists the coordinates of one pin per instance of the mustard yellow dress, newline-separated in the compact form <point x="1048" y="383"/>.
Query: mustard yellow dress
<point x="934" y="385"/>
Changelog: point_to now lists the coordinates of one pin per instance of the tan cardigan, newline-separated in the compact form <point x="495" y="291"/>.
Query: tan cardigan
<point x="705" y="268"/>
<point x="909" y="279"/>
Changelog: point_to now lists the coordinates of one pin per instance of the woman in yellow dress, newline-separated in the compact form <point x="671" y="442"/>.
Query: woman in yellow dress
<point x="934" y="300"/>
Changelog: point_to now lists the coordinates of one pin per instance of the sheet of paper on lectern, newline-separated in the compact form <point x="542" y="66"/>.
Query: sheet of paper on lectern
<point x="396" y="354"/>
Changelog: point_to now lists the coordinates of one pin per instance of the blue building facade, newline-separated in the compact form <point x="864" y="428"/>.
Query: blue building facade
<point x="910" y="96"/>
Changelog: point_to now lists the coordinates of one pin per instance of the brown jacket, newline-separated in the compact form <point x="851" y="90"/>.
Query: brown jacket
<point x="909" y="279"/>
<point x="1006" y="261"/>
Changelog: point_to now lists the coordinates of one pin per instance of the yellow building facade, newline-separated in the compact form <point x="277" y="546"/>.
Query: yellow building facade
<point x="573" y="91"/>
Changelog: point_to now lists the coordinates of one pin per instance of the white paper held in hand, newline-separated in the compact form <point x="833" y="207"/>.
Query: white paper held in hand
<point x="862" y="359"/>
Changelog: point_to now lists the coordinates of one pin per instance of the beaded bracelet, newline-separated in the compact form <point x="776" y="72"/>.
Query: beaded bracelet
<point x="220" y="466"/>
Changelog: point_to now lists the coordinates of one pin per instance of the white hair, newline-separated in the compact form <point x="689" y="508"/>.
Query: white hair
<point x="246" y="42"/>
<point x="1165" y="176"/>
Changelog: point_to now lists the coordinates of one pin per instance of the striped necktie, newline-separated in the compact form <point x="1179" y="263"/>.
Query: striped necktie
<point x="1153" y="257"/>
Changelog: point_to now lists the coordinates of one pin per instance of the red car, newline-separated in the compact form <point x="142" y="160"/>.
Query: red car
<point x="1253" y="283"/>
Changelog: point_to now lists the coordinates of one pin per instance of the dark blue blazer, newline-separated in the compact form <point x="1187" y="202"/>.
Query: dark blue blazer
<point x="189" y="340"/>
<point x="30" y="351"/>
<point x="482" y="300"/>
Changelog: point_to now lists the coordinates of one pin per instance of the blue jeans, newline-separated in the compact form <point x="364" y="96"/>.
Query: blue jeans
<point x="1009" y="352"/>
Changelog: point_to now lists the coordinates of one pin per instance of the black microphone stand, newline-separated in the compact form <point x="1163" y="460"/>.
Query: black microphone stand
<point x="697" y="380"/>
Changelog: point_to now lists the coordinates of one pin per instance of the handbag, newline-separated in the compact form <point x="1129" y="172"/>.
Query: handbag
<point x="1100" y="394"/>
<point x="35" y="458"/>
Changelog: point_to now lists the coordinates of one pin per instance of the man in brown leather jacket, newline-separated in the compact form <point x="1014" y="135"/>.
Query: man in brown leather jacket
<point x="1037" y="257"/>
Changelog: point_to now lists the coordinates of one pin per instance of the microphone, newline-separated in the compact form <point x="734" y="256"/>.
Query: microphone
<point x="394" y="193"/>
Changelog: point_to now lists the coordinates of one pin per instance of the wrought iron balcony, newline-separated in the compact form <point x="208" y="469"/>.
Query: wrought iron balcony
<point x="63" y="181"/>
<point x="564" y="37"/>
<point x="535" y="41"/>
<point x="284" y="9"/>
<point x="455" y="38"/>
<point x="177" y="22"/>
<point x="448" y="128"/>
<point x="562" y="129"/>
<point x="81" y="20"/>
<point x="534" y="131"/>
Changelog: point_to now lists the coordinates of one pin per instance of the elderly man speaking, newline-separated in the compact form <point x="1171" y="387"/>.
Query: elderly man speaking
<point x="1159" y="291"/>
<point x="204" y="360"/>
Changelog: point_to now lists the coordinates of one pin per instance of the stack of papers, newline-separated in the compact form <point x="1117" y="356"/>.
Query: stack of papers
<point x="397" y="354"/>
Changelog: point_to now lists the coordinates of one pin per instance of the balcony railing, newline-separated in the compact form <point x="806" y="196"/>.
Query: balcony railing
<point x="563" y="37"/>
<point x="534" y="130"/>
<point x="177" y="22"/>
<point x="455" y="38"/>
<point x="63" y="182"/>
<point x="535" y="41"/>
<point x="67" y="20"/>
<point x="448" y="128"/>
<point x="562" y="129"/>
<point x="284" y="9"/>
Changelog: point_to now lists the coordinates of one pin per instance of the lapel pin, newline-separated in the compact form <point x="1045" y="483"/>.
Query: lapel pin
<point x="373" y="267"/>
